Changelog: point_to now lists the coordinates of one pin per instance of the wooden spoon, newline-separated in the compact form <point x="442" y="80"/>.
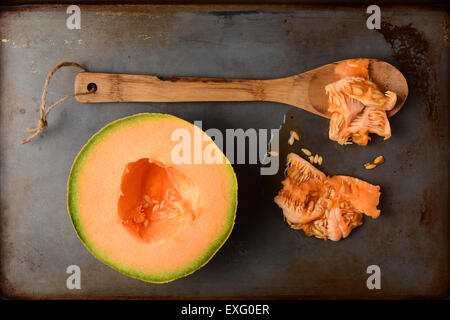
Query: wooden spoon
<point x="305" y="90"/>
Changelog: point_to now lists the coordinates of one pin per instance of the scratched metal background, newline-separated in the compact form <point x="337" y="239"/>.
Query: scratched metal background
<point x="263" y="258"/>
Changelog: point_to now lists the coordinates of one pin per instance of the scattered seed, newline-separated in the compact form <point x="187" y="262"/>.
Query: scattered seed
<point x="147" y="198"/>
<point x="291" y="140"/>
<point x="341" y="205"/>
<point x="353" y="65"/>
<point x="306" y="152"/>
<point x="378" y="160"/>
<point x="370" y="166"/>
<point x="145" y="205"/>
<point x="155" y="208"/>
<point x="316" y="158"/>
<point x="146" y="223"/>
<point x="294" y="136"/>
<point x="311" y="159"/>
<point x="272" y="153"/>
<point x="342" y="190"/>
<point x="320" y="160"/>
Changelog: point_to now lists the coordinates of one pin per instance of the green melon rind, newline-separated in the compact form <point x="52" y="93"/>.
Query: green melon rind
<point x="73" y="209"/>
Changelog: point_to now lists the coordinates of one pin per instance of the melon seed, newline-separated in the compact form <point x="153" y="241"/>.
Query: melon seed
<point x="378" y="160"/>
<point x="316" y="158"/>
<point x="139" y="218"/>
<point x="306" y="152"/>
<point x="377" y="95"/>
<point x="291" y="140"/>
<point x="294" y="136"/>
<point x="370" y="166"/>
<point x="357" y="90"/>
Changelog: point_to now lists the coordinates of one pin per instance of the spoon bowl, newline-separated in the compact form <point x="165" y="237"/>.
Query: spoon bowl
<point x="307" y="90"/>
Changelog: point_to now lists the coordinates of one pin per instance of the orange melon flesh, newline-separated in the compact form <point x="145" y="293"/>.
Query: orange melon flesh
<point x="322" y="206"/>
<point x="152" y="205"/>
<point x="142" y="214"/>
<point x="357" y="106"/>
<point x="353" y="68"/>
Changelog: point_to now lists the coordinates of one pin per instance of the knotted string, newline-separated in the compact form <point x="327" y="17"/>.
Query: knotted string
<point x="42" y="120"/>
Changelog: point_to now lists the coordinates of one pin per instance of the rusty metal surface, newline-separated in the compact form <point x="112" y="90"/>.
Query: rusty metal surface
<point x="263" y="258"/>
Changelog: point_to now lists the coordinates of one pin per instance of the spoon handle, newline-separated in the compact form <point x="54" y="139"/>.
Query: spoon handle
<point x="114" y="87"/>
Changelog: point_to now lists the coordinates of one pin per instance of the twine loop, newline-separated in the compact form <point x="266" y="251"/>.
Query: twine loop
<point x="42" y="123"/>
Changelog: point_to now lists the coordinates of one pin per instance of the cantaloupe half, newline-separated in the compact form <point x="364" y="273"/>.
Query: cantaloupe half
<point x="142" y="213"/>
